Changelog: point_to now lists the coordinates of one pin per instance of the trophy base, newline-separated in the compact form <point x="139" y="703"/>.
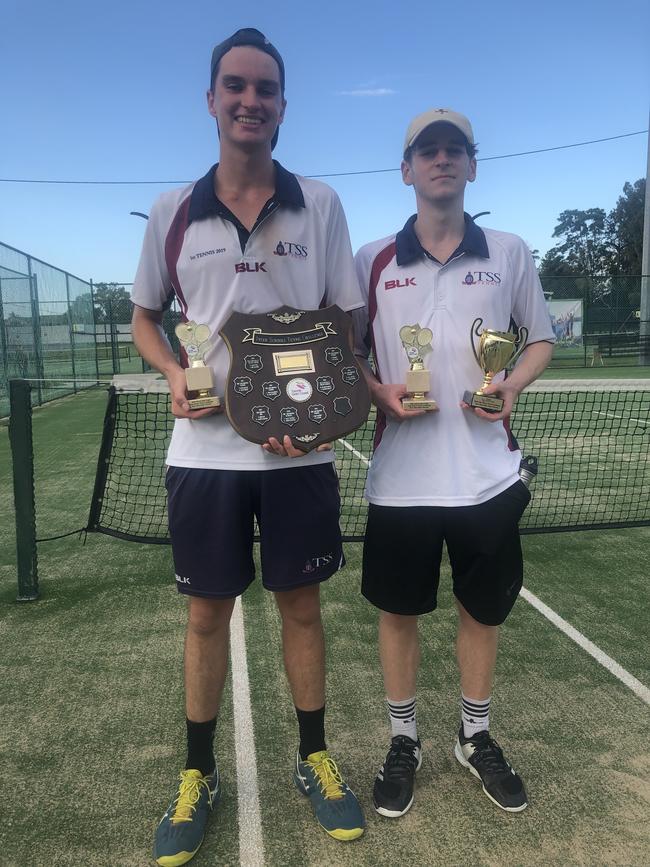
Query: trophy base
<point x="419" y="403"/>
<point x="488" y="402"/>
<point x="203" y="402"/>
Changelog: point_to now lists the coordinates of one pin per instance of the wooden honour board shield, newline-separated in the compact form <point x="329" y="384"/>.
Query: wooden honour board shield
<point x="292" y="372"/>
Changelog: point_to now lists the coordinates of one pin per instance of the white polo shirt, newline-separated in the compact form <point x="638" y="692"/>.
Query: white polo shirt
<point x="297" y="254"/>
<point x="449" y="457"/>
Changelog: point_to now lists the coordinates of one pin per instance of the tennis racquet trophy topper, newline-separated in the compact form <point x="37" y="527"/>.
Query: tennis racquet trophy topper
<point x="200" y="382"/>
<point x="417" y="344"/>
<point x="496" y="351"/>
<point x="293" y="373"/>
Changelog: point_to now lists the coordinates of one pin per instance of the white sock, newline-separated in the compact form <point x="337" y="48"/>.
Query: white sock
<point x="475" y="714"/>
<point x="402" y="718"/>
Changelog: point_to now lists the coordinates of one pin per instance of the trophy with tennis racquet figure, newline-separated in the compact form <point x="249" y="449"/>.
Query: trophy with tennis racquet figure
<point x="417" y="345"/>
<point x="200" y="381"/>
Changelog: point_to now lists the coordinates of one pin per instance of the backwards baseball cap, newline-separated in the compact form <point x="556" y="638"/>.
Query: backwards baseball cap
<point x="248" y="36"/>
<point x="437" y="115"/>
<point x="245" y="36"/>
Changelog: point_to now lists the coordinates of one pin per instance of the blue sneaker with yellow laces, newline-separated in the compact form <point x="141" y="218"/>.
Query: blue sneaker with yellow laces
<point x="180" y="832"/>
<point x="335" y="805"/>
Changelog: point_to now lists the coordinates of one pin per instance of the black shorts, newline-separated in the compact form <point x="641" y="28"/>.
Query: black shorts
<point x="403" y="549"/>
<point x="211" y="524"/>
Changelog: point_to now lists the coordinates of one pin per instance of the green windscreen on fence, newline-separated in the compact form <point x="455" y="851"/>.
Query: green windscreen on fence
<point x="591" y="439"/>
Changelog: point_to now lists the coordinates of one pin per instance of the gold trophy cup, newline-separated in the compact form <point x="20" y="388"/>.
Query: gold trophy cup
<point x="195" y="341"/>
<point x="417" y="344"/>
<point x="496" y="351"/>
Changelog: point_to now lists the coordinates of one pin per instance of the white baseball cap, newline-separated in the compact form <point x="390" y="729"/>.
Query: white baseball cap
<point x="437" y="115"/>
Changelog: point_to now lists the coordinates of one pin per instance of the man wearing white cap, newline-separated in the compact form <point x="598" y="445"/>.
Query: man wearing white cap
<point x="448" y="473"/>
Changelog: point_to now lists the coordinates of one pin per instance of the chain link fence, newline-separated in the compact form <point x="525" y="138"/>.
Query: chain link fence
<point x="596" y="320"/>
<point x="54" y="325"/>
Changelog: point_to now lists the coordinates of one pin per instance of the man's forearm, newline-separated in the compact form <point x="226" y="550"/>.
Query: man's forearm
<point x="533" y="362"/>
<point x="152" y="344"/>
<point x="371" y="380"/>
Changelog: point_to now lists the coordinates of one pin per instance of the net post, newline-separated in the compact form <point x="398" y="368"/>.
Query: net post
<point x="103" y="461"/>
<point x="20" y="438"/>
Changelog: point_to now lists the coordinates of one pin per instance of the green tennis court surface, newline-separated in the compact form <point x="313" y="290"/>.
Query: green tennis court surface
<point x="93" y="725"/>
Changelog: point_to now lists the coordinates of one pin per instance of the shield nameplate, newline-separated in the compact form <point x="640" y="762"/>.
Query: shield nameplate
<point x="306" y="360"/>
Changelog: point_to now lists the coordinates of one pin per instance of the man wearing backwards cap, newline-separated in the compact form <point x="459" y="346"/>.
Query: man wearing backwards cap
<point x="449" y="475"/>
<point x="249" y="236"/>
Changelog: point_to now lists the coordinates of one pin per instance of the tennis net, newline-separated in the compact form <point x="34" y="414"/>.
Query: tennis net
<point x="591" y="439"/>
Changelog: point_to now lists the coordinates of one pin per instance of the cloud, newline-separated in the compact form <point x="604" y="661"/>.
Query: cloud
<point x="376" y="91"/>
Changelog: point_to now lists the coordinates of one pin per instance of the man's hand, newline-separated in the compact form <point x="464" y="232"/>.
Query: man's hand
<point x="153" y="346"/>
<point x="387" y="397"/>
<point x="178" y="394"/>
<point x="534" y="359"/>
<point x="505" y="390"/>
<point x="286" y="448"/>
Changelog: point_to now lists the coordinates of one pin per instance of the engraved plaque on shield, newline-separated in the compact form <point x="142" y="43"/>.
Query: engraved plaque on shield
<point x="304" y="358"/>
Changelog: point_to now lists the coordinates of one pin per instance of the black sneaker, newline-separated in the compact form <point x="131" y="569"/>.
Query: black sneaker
<point x="484" y="758"/>
<point x="392" y="793"/>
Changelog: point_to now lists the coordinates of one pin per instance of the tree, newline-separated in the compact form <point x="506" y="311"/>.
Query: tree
<point x="554" y="265"/>
<point x="81" y="309"/>
<point x="585" y="244"/>
<point x="626" y="229"/>
<point x="599" y="244"/>
<point x="112" y="303"/>
<point x="534" y="252"/>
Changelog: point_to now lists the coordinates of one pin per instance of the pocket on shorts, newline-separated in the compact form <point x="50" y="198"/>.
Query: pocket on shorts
<point x="518" y="496"/>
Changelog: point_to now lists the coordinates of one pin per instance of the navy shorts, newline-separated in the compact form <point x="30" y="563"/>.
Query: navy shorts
<point x="403" y="550"/>
<point x="211" y="524"/>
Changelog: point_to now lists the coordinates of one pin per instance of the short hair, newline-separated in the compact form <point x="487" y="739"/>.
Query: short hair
<point x="246" y="36"/>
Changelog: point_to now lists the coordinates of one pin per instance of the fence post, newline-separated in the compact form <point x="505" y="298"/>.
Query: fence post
<point x="92" y="309"/>
<point x="70" y="333"/>
<point x="112" y="330"/>
<point x="644" y="306"/>
<point x="3" y="336"/>
<point x="36" y="327"/>
<point x="20" y="438"/>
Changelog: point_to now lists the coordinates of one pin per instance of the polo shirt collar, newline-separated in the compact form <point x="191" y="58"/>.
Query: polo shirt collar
<point x="204" y="202"/>
<point x="408" y="247"/>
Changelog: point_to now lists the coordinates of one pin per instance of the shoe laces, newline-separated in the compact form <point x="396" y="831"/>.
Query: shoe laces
<point x="488" y="752"/>
<point x="401" y="754"/>
<point x="189" y="793"/>
<point x="328" y="776"/>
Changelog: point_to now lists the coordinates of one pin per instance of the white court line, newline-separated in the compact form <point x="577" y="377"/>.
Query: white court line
<point x="600" y="656"/>
<point x="593" y="650"/>
<point x="354" y="452"/>
<point x="251" y="847"/>
<point x="622" y="417"/>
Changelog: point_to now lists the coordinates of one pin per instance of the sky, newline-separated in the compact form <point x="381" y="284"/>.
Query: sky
<point x="116" y="92"/>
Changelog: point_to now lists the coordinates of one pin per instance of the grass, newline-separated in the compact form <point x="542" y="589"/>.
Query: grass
<point x="92" y="708"/>
<point x="93" y="729"/>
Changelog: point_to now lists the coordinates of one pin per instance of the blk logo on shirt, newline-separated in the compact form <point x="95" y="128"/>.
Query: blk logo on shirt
<point x="248" y="267"/>
<point x="400" y="284"/>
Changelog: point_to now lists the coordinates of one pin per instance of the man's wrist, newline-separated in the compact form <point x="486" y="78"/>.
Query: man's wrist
<point x="170" y="369"/>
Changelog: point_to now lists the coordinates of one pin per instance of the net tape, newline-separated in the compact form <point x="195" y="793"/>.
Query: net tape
<point x="591" y="438"/>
